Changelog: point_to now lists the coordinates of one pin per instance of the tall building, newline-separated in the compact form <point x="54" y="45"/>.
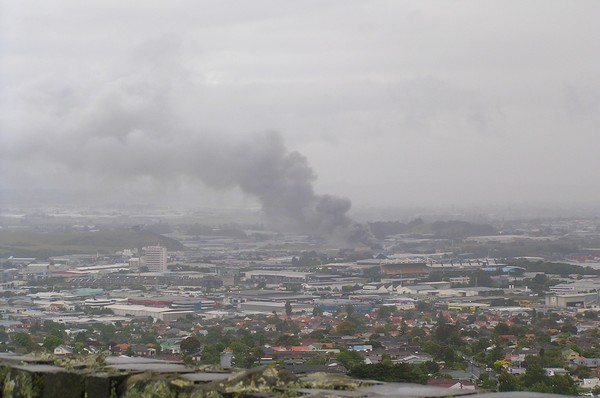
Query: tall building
<point x="155" y="258"/>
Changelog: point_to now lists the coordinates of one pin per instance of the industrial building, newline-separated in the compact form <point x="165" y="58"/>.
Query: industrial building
<point x="276" y="277"/>
<point x="163" y="314"/>
<point x="577" y="300"/>
<point x="404" y="268"/>
<point x="278" y="307"/>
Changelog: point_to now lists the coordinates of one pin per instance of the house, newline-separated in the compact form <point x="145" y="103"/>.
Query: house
<point x="569" y="354"/>
<point x="122" y="347"/>
<point x="452" y="384"/>
<point x="360" y="347"/>
<point x="590" y="383"/>
<point x="197" y="356"/>
<point x="141" y="350"/>
<point x="516" y="371"/>
<point x="305" y="368"/>
<point x="64" y="350"/>
<point x="413" y="359"/>
<point x="515" y="359"/>
<point x="90" y="350"/>
<point x="509" y="337"/>
<point x="556" y="371"/>
<point x="170" y="347"/>
<point x="226" y="358"/>
<point x="460" y="375"/>
<point x="588" y="362"/>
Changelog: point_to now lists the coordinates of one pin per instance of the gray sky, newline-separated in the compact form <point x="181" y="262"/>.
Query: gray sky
<point x="392" y="103"/>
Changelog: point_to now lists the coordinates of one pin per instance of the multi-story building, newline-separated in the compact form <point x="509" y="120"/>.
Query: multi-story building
<point x="155" y="258"/>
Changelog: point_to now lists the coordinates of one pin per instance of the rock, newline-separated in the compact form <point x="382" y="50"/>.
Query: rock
<point x="43" y="381"/>
<point x="105" y="385"/>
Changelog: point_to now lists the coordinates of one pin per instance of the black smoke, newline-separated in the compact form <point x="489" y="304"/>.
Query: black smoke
<point x="282" y="180"/>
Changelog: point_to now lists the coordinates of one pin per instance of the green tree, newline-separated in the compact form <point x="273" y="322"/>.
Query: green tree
<point x="534" y="374"/>
<point x="582" y="372"/>
<point x="431" y="347"/>
<point x="190" y="345"/>
<point x="563" y="384"/>
<point x="243" y="355"/>
<point x="402" y="372"/>
<point x="288" y="308"/>
<point x="3" y="334"/>
<point x="349" y="309"/>
<point x="443" y="332"/>
<point x="502" y="328"/>
<point x="350" y="359"/>
<point x="23" y="340"/>
<point x="569" y="328"/>
<point x="51" y="342"/>
<point x="385" y="312"/>
<point x="211" y="353"/>
<point x="346" y="327"/>
<point x="507" y="382"/>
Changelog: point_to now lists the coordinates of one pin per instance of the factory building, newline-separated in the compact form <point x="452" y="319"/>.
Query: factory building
<point x="404" y="268"/>
<point x="576" y="300"/>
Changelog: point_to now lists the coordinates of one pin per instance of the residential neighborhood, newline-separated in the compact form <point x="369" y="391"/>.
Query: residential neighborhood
<point x="434" y="316"/>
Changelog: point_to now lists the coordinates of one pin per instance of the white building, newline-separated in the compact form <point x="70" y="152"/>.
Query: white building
<point x="589" y="383"/>
<point x="160" y="313"/>
<point x="155" y="258"/>
<point x="580" y="300"/>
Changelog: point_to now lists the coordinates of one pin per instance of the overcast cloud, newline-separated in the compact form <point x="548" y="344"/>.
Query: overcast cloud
<point x="391" y="103"/>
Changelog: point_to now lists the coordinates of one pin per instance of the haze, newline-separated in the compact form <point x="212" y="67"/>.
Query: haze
<point x="388" y="103"/>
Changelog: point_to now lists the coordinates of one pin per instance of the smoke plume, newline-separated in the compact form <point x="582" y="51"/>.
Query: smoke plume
<point x="134" y="131"/>
<point x="283" y="182"/>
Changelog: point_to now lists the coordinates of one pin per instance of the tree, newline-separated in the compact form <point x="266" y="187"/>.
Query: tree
<point x="107" y="333"/>
<point x="563" y="384"/>
<point x="51" y="342"/>
<point x="346" y="327"/>
<point x="386" y="359"/>
<point x="350" y="359"/>
<point x="22" y="339"/>
<point x="443" y="332"/>
<point x="385" y="312"/>
<point x="590" y="315"/>
<point x="288" y="308"/>
<point x="540" y="280"/>
<point x="3" y="334"/>
<point x="431" y="367"/>
<point x="401" y="372"/>
<point x="81" y="337"/>
<point x="449" y="356"/>
<point x="211" y="353"/>
<point x="374" y="343"/>
<point x="431" y="347"/>
<point x="569" y="328"/>
<point x="534" y="374"/>
<point x="243" y="355"/>
<point x="502" y="328"/>
<point x="190" y="345"/>
<point x="317" y="311"/>
<point x="582" y="372"/>
<point x="349" y="309"/>
<point x="507" y="382"/>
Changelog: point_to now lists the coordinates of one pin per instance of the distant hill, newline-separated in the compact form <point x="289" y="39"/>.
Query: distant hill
<point x="437" y="229"/>
<point x="49" y="244"/>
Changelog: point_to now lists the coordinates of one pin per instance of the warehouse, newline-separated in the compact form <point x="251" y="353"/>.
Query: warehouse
<point x="163" y="314"/>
